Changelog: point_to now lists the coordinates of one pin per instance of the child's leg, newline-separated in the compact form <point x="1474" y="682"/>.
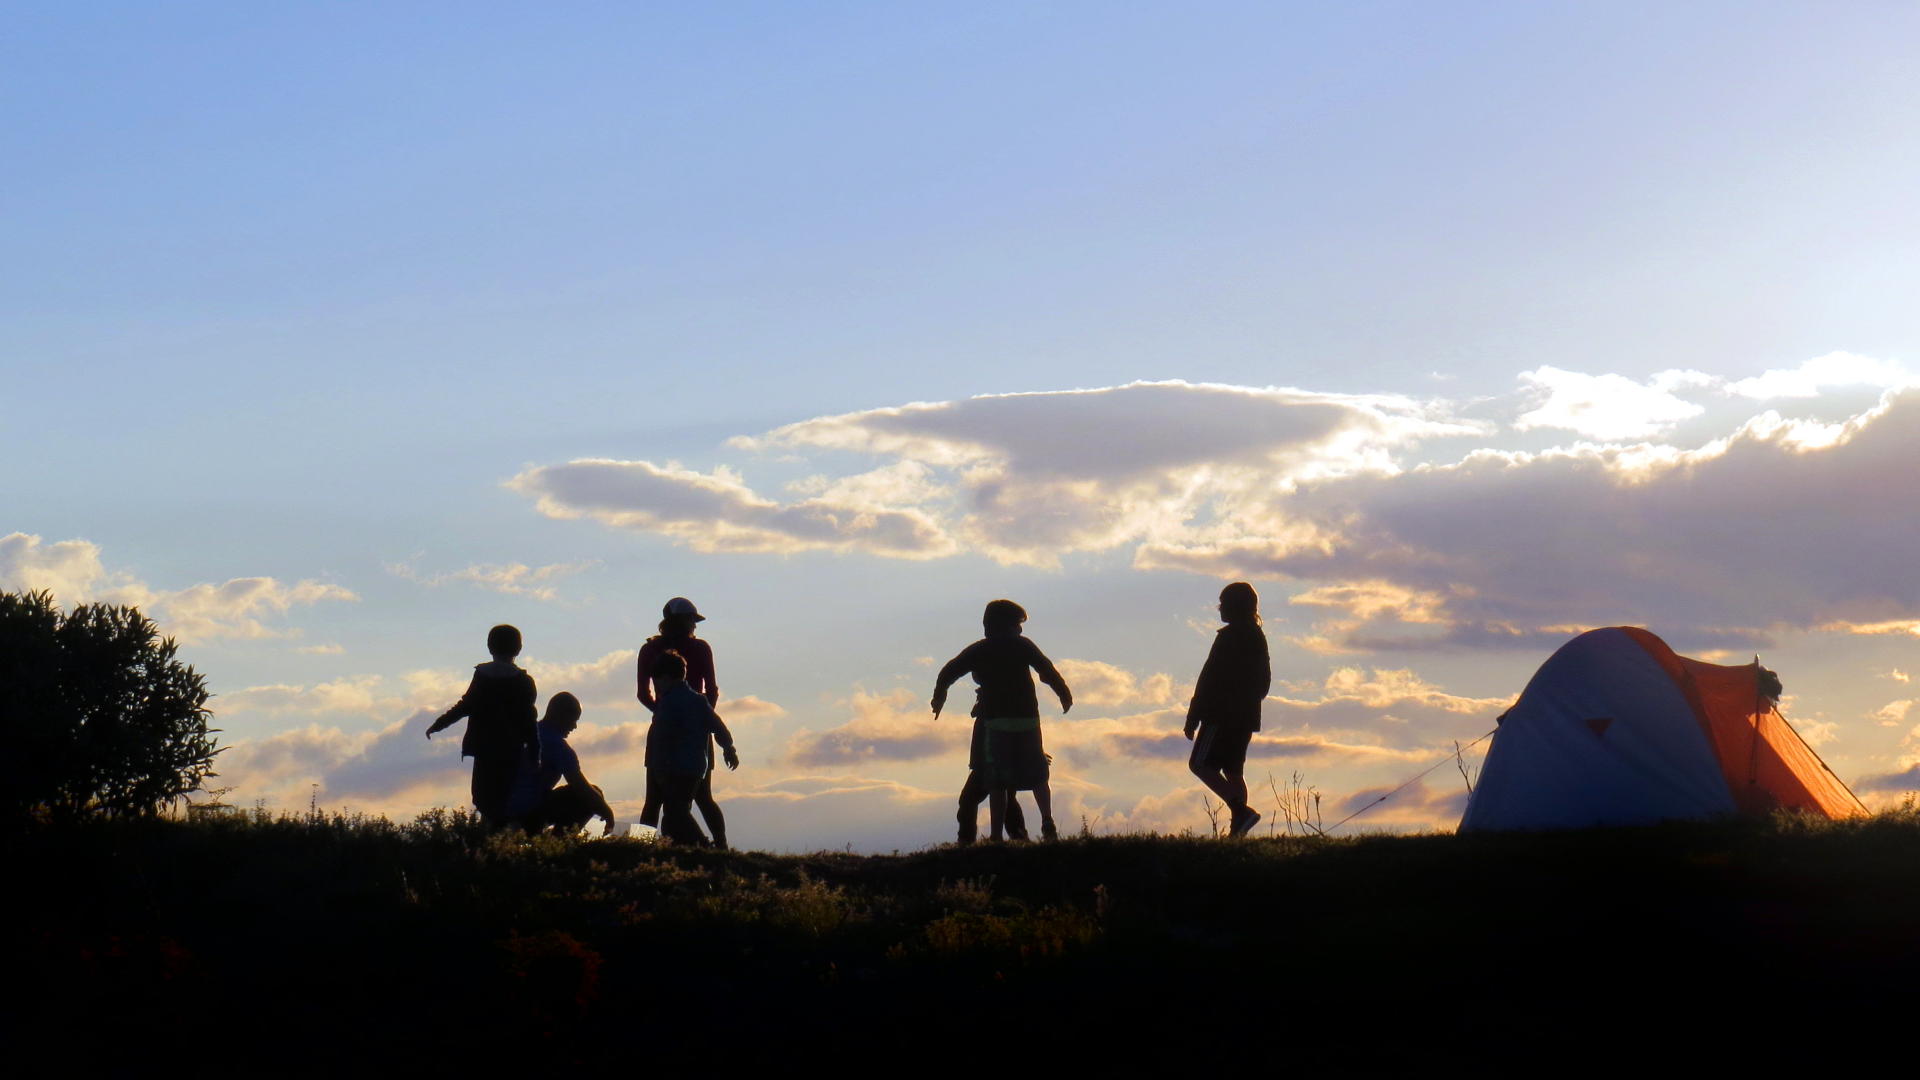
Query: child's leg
<point x="1043" y="798"/>
<point x="1235" y="788"/>
<point x="972" y="794"/>
<point x="996" y="812"/>
<point x="710" y="810"/>
<point x="650" y="809"/>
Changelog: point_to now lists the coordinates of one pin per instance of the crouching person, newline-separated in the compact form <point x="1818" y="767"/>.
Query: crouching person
<point x="677" y="747"/>
<point x="537" y="804"/>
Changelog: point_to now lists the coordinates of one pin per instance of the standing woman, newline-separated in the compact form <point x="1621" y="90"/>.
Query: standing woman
<point x="676" y="634"/>
<point x="1226" y="703"/>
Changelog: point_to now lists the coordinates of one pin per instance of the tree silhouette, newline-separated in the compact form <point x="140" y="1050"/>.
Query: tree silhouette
<point x="100" y="717"/>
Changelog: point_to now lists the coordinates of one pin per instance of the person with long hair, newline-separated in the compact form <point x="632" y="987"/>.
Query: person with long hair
<point x="677" y="620"/>
<point x="1225" y="711"/>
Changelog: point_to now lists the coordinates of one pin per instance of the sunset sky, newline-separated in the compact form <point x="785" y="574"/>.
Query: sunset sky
<point x="335" y="334"/>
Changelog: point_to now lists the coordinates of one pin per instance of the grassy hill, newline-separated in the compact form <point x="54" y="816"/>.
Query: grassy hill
<point x="316" y="944"/>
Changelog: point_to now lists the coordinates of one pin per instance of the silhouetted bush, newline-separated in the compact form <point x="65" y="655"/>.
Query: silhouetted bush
<point x="101" y="719"/>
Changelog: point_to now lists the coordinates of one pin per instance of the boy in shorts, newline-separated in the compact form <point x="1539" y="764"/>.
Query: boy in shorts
<point x="1007" y="748"/>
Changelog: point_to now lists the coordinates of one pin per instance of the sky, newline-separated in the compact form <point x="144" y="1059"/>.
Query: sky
<point x="332" y="335"/>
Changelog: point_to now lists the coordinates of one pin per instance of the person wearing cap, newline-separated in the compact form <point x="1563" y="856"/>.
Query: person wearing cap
<point x="499" y="706"/>
<point x="677" y="620"/>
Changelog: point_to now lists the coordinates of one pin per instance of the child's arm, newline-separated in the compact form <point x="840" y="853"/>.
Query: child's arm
<point x="461" y="709"/>
<point x="718" y="729"/>
<point x="954" y="668"/>
<point x="1050" y="675"/>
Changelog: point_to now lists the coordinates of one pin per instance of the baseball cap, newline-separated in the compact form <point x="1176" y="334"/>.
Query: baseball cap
<point x="680" y="605"/>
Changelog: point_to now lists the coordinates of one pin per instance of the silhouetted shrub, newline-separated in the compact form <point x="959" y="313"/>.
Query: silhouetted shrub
<point x="100" y="718"/>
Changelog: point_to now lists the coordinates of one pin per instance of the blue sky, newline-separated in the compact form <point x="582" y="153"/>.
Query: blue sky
<point x="334" y="295"/>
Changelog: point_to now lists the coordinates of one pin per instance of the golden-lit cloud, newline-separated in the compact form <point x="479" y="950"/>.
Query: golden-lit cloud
<point x="896" y="726"/>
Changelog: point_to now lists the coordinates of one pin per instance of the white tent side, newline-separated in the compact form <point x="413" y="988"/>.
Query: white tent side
<point x="1602" y="735"/>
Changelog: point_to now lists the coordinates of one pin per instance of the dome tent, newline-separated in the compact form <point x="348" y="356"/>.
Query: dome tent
<point x="1617" y="729"/>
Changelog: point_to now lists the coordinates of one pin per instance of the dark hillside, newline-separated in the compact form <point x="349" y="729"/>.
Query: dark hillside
<point x="320" y="945"/>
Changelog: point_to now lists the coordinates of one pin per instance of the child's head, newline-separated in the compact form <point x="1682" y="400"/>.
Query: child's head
<point x="504" y="641"/>
<point x="563" y="712"/>
<point x="1003" y="617"/>
<point x="1239" y="603"/>
<point x="668" y="668"/>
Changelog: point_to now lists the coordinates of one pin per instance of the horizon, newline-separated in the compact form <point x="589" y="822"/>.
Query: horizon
<point x="337" y="337"/>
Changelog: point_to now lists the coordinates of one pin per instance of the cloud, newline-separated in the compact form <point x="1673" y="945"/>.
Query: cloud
<point x="72" y="570"/>
<point x="1346" y="688"/>
<point x="716" y="511"/>
<point x="1892" y="714"/>
<point x="815" y="813"/>
<point x="1909" y="627"/>
<point x="1818" y="733"/>
<point x="1096" y="683"/>
<point x="513" y="579"/>
<point x="1835" y="369"/>
<point x="1904" y="781"/>
<point x="1609" y="407"/>
<point x="1415" y="807"/>
<point x="349" y="694"/>
<point x="896" y="726"/>
<point x="1781" y="525"/>
<point x="1021" y="478"/>
<point x="1174" y="746"/>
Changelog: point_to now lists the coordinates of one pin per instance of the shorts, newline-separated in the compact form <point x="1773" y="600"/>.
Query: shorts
<point x="1221" y="748"/>
<point x="1016" y="758"/>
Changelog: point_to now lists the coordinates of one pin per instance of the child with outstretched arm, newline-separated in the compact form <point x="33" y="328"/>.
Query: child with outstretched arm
<point x="1008" y="753"/>
<point x="499" y="708"/>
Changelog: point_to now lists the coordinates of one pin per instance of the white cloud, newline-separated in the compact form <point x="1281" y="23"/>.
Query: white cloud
<point x="1022" y="478"/>
<point x="513" y="579"/>
<point x="72" y="570"/>
<point x="1764" y="529"/>
<point x="1835" y="369"/>
<point x="1609" y="407"/>
<point x="718" y="512"/>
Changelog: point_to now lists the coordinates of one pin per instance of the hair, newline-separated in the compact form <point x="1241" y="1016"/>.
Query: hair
<point x="1002" y="615"/>
<point x="677" y="626"/>
<point x="670" y="666"/>
<point x="504" y="640"/>
<point x="1239" y="602"/>
<point x="563" y="706"/>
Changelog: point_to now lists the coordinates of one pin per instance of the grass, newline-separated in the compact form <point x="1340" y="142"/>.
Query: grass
<point x="327" y="941"/>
